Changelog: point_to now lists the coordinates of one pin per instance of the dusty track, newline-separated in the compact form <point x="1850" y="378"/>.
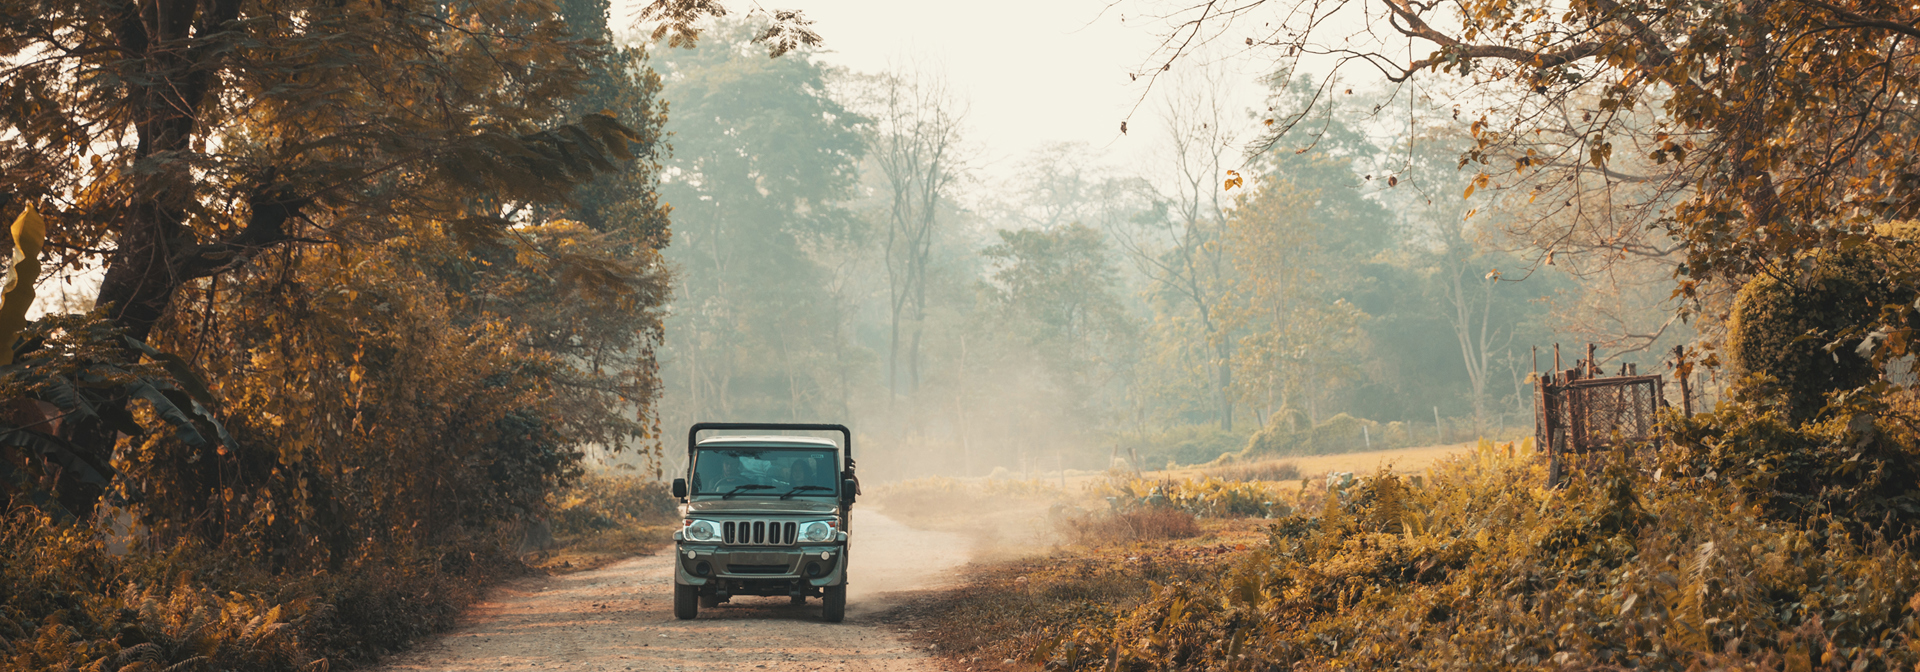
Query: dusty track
<point x="620" y="618"/>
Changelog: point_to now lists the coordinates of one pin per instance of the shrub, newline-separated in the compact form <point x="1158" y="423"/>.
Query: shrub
<point x="1860" y="469"/>
<point x="1341" y="433"/>
<point x="1781" y="327"/>
<point x="1211" y="497"/>
<point x="601" y="501"/>
<point x="1185" y="444"/>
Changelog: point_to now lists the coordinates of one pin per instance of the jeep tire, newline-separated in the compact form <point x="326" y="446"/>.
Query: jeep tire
<point x="833" y="603"/>
<point x="686" y="601"/>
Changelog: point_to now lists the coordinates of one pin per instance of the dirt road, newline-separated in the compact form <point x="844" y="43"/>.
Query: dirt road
<point x="620" y="618"/>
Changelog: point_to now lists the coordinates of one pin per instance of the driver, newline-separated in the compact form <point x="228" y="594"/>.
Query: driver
<point x="730" y="475"/>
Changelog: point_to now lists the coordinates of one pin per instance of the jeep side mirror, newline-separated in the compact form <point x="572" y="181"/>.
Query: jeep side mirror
<point x="679" y="488"/>
<point x="848" y="488"/>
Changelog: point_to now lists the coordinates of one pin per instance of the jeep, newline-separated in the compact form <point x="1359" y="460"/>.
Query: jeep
<point x="764" y="515"/>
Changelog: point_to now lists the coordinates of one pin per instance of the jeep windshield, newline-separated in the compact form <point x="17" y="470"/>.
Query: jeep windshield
<point x="783" y="473"/>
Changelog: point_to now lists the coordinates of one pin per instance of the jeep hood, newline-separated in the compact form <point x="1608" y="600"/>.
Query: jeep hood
<point x="742" y="505"/>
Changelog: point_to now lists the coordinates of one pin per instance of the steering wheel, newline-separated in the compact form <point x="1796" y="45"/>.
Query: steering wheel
<point x="728" y="484"/>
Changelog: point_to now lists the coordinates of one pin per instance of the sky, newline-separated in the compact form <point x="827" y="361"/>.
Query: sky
<point x="1033" y="71"/>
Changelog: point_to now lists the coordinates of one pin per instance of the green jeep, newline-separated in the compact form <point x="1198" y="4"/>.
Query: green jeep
<point x="764" y="515"/>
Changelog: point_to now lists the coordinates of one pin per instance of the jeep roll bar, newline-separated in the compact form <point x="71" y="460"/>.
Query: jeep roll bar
<point x="846" y="435"/>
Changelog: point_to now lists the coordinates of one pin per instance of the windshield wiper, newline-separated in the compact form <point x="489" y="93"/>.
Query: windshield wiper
<point x="749" y="486"/>
<point x="803" y="488"/>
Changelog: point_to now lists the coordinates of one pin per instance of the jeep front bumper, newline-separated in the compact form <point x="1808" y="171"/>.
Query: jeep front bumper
<point x="697" y="564"/>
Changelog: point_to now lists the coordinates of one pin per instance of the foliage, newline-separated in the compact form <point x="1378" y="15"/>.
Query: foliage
<point x="1179" y="444"/>
<point x="233" y="128"/>
<point x="375" y="276"/>
<point x="599" y="501"/>
<point x="1480" y="566"/>
<point x="1255" y="470"/>
<point x="1856" y="468"/>
<point x="1341" y="433"/>
<point x="1797" y="328"/>
<point x="1208" y="496"/>
<point x="764" y="156"/>
<point x="1299" y="334"/>
<point x="1005" y="610"/>
<point x="73" y="370"/>
<point x="69" y="600"/>
<point x="1123" y="527"/>
<point x="1056" y="287"/>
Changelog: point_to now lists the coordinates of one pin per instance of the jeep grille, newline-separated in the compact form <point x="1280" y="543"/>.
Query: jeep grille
<point x="760" y="532"/>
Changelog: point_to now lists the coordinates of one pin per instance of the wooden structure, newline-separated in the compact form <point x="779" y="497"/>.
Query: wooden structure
<point x="1581" y="410"/>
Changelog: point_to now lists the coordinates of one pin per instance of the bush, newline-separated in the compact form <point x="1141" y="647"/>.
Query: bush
<point x="1781" y="327"/>
<point x="601" y="501"/>
<point x="1860" y="469"/>
<point x="68" y="603"/>
<point x="1269" y="470"/>
<point x="1341" y="433"/>
<point x="1185" y="444"/>
<point x="1210" y="497"/>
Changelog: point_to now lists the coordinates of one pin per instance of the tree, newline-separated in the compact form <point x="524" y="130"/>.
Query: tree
<point x="192" y="136"/>
<point x="916" y="145"/>
<point x="175" y="142"/>
<point x="1299" y="331"/>
<point x="1179" y="250"/>
<point x="1778" y="127"/>
<point x="764" y="157"/>
<point x="1057" y="285"/>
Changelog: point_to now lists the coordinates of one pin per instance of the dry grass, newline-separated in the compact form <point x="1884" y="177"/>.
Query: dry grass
<point x="1117" y="528"/>
<point x="1006" y="610"/>
<point x="1476" y="566"/>
<point x="1271" y="470"/>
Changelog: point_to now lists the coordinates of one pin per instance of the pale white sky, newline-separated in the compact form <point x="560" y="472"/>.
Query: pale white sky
<point x="1033" y="71"/>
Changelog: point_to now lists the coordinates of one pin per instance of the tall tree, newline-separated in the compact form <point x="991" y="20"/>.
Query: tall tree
<point x="190" y="136"/>
<point x="1180" y="251"/>
<point x="1058" y="286"/>
<point x="916" y="146"/>
<point x="178" y="140"/>
<point x="764" y="156"/>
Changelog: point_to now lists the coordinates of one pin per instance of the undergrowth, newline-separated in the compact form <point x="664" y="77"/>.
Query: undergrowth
<point x="69" y="601"/>
<point x="1748" y="543"/>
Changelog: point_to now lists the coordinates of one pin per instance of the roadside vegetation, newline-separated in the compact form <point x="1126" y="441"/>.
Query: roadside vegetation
<point x="606" y="517"/>
<point x="1750" y="543"/>
<point x="70" y="599"/>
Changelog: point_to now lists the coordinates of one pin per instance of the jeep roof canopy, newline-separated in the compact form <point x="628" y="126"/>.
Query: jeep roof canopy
<point x="846" y="435"/>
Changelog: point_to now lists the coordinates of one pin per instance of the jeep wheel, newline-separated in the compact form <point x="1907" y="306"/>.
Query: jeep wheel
<point x="686" y="601"/>
<point x="833" y="603"/>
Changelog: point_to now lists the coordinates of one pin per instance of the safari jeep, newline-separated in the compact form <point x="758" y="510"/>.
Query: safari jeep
<point x="764" y="515"/>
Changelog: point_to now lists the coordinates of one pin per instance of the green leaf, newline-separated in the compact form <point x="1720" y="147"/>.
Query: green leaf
<point x="56" y="449"/>
<point x="181" y="371"/>
<point x="164" y="406"/>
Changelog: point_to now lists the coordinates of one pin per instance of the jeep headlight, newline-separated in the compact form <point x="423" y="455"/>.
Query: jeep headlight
<point x="701" y="530"/>
<point x="819" y="530"/>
